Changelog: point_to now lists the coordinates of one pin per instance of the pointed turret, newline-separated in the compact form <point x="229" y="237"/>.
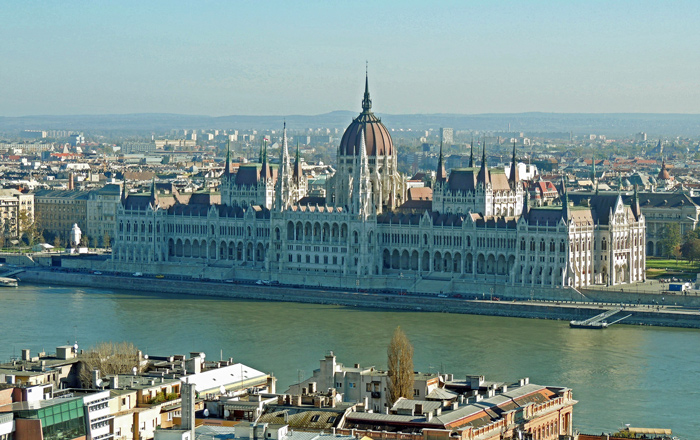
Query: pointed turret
<point x="483" y="176"/>
<point x="284" y="178"/>
<point x="514" y="177"/>
<point x="227" y="164"/>
<point x="285" y="168"/>
<point x="564" y="200"/>
<point x="153" y="200"/>
<point x="366" y="101"/>
<point x="635" y="204"/>
<point x="471" y="155"/>
<point x="441" y="175"/>
<point x="526" y="203"/>
<point x="123" y="195"/>
<point x="265" y="171"/>
<point x="297" y="173"/>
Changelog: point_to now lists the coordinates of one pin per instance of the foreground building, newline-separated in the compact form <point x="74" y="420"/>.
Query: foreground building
<point x="478" y="229"/>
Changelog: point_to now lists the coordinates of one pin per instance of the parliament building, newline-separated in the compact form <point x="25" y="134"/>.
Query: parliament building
<point x="479" y="227"/>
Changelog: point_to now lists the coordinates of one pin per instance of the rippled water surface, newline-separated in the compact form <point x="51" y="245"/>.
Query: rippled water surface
<point x="643" y="376"/>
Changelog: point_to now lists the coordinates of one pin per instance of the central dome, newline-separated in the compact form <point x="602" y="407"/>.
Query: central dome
<point x="377" y="137"/>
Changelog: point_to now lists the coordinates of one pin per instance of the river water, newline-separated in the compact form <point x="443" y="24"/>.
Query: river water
<point x="643" y="376"/>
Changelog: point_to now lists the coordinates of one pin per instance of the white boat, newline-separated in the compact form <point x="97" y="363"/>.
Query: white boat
<point x="8" y="282"/>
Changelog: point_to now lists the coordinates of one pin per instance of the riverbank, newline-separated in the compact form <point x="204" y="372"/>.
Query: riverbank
<point x="557" y="310"/>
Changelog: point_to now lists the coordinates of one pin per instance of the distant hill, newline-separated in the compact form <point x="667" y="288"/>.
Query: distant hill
<point x="612" y="124"/>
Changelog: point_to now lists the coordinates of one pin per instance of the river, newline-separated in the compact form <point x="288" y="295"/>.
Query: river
<point x="644" y="376"/>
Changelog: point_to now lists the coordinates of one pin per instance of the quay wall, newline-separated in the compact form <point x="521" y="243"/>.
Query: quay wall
<point x="562" y="310"/>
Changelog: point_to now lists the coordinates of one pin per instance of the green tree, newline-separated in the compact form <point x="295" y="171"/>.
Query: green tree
<point x="29" y="229"/>
<point x="670" y="240"/>
<point x="400" y="360"/>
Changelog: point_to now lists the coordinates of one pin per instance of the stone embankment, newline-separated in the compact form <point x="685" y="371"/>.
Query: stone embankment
<point x="559" y="310"/>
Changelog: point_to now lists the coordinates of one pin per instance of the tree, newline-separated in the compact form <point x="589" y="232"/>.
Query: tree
<point x="57" y="241"/>
<point x="105" y="240"/>
<point x="670" y="240"/>
<point x="84" y="241"/>
<point x="109" y="358"/>
<point x="400" y="360"/>
<point x="29" y="228"/>
<point x="690" y="249"/>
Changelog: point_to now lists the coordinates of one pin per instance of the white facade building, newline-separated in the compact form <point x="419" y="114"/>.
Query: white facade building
<point x="478" y="228"/>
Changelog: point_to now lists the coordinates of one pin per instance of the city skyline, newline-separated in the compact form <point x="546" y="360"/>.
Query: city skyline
<point x="227" y="59"/>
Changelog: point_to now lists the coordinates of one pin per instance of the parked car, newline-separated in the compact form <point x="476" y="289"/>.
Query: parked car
<point x="138" y="274"/>
<point x="442" y="295"/>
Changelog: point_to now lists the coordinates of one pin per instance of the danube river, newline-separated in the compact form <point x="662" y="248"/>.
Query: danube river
<point x="643" y="376"/>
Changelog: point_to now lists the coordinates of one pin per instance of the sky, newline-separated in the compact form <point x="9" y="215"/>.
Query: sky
<point x="308" y="57"/>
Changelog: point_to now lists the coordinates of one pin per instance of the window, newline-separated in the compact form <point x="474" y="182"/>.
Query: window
<point x="339" y="385"/>
<point x="416" y="392"/>
<point x="315" y="418"/>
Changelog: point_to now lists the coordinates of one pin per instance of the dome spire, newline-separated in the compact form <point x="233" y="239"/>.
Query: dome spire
<point x="366" y="102"/>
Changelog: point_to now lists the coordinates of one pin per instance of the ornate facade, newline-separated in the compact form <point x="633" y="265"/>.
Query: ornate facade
<point x="479" y="227"/>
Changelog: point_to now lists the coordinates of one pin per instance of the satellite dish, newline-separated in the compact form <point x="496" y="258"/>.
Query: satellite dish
<point x="227" y="413"/>
<point x="206" y="412"/>
<point x="134" y="370"/>
<point x="145" y="356"/>
<point x="222" y="389"/>
<point x="98" y="383"/>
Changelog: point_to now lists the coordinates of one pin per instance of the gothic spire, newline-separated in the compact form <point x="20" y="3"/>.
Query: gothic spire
<point x="441" y="175"/>
<point x="297" y="173"/>
<point x="564" y="200"/>
<point x="483" y="176"/>
<point x="635" y="204"/>
<point x="265" y="171"/>
<point x="366" y="102"/>
<point x="227" y="164"/>
<point x="514" y="174"/>
<point x="471" y="154"/>
<point x="154" y="194"/>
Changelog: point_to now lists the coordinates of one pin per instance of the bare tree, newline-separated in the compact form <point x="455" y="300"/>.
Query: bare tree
<point x="108" y="357"/>
<point x="400" y="359"/>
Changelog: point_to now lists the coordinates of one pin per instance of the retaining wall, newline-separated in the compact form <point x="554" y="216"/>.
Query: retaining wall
<point x="521" y="309"/>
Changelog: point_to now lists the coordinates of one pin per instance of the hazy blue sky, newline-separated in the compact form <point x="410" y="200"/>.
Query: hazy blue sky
<point x="294" y="57"/>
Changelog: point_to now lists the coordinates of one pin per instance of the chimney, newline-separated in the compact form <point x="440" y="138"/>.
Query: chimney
<point x="95" y="378"/>
<point x="296" y="400"/>
<point x="280" y="399"/>
<point x="26" y="355"/>
<point x="312" y="387"/>
<point x="429" y="416"/>
<point x="455" y="405"/>
<point x="461" y="399"/>
<point x="357" y="365"/>
<point x="187" y="418"/>
<point x="114" y="382"/>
